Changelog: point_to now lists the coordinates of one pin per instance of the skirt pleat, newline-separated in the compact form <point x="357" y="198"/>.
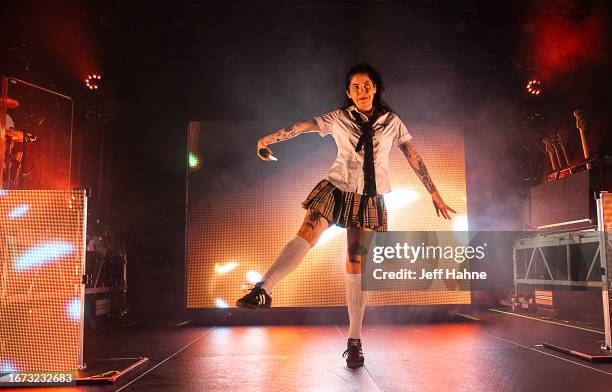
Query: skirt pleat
<point x="347" y="209"/>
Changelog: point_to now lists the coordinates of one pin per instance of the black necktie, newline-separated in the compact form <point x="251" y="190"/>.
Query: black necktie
<point x="365" y="141"/>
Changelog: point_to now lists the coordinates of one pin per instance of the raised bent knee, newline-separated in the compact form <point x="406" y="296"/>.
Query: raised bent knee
<point x="308" y="234"/>
<point x="312" y="228"/>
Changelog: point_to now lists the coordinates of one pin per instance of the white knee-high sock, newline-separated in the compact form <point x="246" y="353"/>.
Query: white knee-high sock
<point x="289" y="258"/>
<point x="356" y="301"/>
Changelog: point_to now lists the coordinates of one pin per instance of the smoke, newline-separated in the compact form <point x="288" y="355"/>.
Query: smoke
<point x="563" y="45"/>
<point x="495" y="194"/>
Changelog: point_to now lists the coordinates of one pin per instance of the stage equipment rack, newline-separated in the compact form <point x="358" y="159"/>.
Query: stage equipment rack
<point x="105" y="278"/>
<point x="539" y="270"/>
<point x="532" y="264"/>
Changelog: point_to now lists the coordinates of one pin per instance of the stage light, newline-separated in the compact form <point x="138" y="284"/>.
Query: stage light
<point x="253" y="277"/>
<point x="329" y="234"/>
<point x="43" y="254"/>
<point x="460" y="223"/>
<point x="193" y="161"/>
<point x="219" y="303"/>
<point x="400" y="197"/>
<point x="534" y="87"/>
<point x="18" y="212"/>
<point x="93" y="81"/>
<point x="7" y="367"/>
<point x="225" y="268"/>
<point x="73" y="309"/>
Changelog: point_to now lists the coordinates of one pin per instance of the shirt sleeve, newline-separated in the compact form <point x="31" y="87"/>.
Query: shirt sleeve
<point x="326" y="122"/>
<point x="401" y="132"/>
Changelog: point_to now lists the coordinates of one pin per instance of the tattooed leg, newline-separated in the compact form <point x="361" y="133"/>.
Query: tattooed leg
<point x="313" y="226"/>
<point x="357" y="249"/>
<point x="356" y="298"/>
<point x="356" y="252"/>
<point x="313" y="220"/>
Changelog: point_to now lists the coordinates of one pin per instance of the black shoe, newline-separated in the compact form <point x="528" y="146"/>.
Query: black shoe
<point x="255" y="298"/>
<point x="353" y="354"/>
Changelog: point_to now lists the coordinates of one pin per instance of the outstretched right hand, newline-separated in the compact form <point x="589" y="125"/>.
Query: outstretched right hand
<point x="261" y="146"/>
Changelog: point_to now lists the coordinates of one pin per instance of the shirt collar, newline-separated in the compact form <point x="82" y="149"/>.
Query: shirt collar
<point x="353" y="108"/>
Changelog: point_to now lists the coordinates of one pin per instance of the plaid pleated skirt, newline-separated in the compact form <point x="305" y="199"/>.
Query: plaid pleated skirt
<point x="347" y="209"/>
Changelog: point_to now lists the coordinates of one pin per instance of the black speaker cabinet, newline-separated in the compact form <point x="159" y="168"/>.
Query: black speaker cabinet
<point x="568" y="203"/>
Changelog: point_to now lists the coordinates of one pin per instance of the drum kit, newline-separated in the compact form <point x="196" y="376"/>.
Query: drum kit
<point x="15" y="141"/>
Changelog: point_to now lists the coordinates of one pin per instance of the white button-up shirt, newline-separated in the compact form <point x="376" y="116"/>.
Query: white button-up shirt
<point x="347" y="171"/>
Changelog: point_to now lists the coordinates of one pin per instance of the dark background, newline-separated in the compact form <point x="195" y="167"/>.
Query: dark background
<point x="165" y="64"/>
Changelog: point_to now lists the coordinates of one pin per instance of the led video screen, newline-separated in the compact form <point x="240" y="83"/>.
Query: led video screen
<point x="242" y="211"/>
<point x="42" y="245"/>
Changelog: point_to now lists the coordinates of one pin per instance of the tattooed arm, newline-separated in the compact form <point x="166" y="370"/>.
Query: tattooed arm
<point x="417" y="164"/>
<point x="287" y="133"/>
<point x="290" y="131"/>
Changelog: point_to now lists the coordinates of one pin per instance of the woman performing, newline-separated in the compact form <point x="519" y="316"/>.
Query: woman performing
<point x="351" y="196"/>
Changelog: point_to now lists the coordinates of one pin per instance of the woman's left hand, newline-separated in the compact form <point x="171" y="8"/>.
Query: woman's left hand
<point x="440" y="205"/>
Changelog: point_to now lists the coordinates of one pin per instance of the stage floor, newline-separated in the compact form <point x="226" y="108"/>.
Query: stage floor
<point x="498" y="352"/>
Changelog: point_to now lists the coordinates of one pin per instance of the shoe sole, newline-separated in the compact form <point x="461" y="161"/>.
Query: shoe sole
<point x="246" y="305"/>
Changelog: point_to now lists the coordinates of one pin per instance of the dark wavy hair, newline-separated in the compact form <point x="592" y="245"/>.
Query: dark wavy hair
<point x="374" y="75"/>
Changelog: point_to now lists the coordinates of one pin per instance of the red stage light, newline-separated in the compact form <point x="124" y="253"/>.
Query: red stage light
<point x="93" y="81"/>
<point x="534" y="87"/>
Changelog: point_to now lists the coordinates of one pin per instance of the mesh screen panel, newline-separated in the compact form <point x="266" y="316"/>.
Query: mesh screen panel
<point x="606" y="203"/>
<point x="606" y="200"/>
<point x="242" y="211"/>
<point x="42" y="242"/>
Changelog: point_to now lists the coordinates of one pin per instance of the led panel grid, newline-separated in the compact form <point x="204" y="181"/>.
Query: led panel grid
<point x="606" y="202"/>
<point x="235" y="233"/>
<point x="42" y="242"/>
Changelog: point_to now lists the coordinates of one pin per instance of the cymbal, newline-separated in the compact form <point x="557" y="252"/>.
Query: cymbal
<point x="11" y="103"/>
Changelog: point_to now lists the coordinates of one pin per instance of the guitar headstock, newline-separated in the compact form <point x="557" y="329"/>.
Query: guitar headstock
<point x="547" y="142"/>
<point x="562" y="138"/>
<point x="581" y="120"/>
